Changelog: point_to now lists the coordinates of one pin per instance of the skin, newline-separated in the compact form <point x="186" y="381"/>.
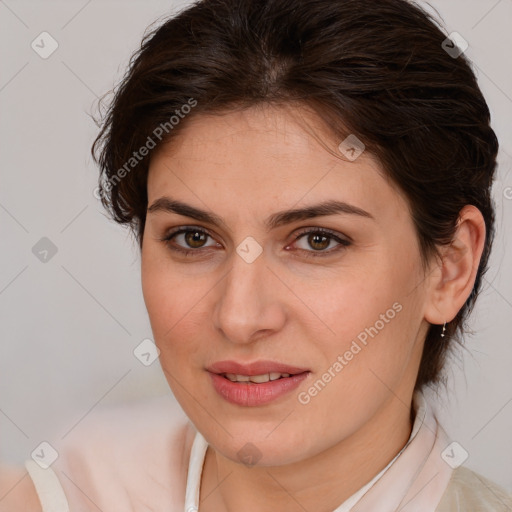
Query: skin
<point x="17" y="491"/>
<point x="305" y="311"/>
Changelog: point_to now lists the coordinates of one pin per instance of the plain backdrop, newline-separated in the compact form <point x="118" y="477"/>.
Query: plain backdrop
<point x="69" y="325"/>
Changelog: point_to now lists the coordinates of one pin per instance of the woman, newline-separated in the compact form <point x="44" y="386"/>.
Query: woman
<point x="309" y="183"/>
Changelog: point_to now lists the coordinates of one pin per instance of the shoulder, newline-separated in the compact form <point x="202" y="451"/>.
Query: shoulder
<point x="126" y="457"/>
<point x="17" y="492"/>
<point x="468" y="490"/>
<point x="135" y="454"/>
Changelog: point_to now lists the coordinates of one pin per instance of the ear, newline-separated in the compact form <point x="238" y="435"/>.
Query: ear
<point x="453" y="276"/>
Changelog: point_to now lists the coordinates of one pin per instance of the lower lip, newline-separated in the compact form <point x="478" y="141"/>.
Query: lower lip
<point x="252" y="394"/>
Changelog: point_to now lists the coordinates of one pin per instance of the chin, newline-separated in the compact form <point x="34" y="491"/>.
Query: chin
<point x="258" y="449"/>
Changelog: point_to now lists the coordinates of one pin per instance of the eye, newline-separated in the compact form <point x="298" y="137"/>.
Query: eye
<point x="188" y="239"/>
<point x="313" y="242"/>
<point x="320" y="242"/>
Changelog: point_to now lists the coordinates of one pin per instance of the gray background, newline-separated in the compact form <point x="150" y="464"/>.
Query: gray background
<point x="69" y="325"/>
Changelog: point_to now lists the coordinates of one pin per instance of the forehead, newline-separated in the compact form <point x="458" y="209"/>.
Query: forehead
<point x="260" y="155"/>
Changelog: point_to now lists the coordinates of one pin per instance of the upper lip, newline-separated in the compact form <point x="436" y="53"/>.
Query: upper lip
<point x="254" y="368"/>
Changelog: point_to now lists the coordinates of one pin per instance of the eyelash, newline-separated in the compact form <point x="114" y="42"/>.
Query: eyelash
<point x="343" y="243"/>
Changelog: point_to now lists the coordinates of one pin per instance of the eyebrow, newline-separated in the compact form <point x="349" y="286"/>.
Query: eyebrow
<point x="330" y="207"/>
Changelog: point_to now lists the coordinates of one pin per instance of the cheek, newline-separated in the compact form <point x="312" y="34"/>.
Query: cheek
<point x="173" y="302"/>
<point x="368" y="355"/>
<point x="153" y="287"/>
<point x="162" y="291"/>
<point x="350" y="302"/>
<point x="372" y="314"/>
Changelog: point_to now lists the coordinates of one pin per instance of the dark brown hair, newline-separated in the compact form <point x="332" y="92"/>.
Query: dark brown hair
<point x="377" y="69"/>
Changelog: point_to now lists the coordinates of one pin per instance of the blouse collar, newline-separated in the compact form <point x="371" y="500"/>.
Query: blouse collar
<point x="413" y="481"/>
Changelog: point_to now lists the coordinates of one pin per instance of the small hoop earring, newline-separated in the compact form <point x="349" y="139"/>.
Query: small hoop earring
<point x="444" y="329"/>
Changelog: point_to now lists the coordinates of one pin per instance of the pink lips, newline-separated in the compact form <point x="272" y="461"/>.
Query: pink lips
<point x="249" y="393"/>
<point x="255" y="368"/>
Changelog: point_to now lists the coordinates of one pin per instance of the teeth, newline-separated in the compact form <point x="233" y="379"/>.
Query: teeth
<point x="257" y="379"/>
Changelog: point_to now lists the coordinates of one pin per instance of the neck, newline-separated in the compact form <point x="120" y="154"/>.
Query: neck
<point x="319" y="483"/>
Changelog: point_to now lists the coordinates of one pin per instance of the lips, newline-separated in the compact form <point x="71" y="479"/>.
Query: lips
<point x="254" y="368"/>
<point x="257" y="383"/>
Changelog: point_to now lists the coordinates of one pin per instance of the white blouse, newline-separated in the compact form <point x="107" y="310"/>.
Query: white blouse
<point x="140" y="458"/>
<point x="200" y="445"/>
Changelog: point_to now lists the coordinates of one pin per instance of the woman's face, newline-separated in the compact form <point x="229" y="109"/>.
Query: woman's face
<point x="336" y="296"/>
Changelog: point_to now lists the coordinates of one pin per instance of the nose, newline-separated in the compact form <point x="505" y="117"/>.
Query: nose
<point x="249" y="305"/>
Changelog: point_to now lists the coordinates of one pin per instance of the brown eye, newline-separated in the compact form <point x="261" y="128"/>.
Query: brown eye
<point x="189" y="240"/>
<point x="195" y="239"/>
<point x="318" y="241"/>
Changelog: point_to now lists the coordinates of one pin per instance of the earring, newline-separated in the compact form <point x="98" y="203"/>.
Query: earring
<point x="444" y="329"/>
